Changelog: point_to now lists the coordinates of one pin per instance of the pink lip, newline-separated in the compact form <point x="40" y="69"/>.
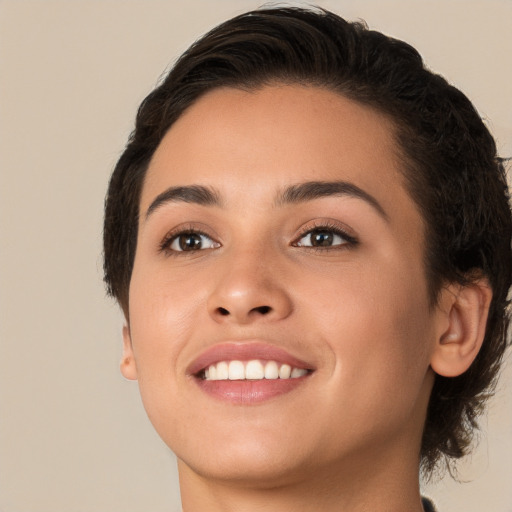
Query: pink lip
<point x="244" y="351"/>
<point x="249" y="392"/>
<point x="246" y="392"/>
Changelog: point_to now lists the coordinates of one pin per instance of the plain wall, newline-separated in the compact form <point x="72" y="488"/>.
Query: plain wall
<point x="73" y="433"/>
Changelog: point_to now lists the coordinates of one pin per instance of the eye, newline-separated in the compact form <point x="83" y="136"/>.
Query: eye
<point x="188" y="241"/>
<point x="320" y="238"/>
<point x="324" y="238"/>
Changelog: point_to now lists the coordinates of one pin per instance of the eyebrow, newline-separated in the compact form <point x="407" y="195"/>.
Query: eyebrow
<point x="300" y="193"/>
<point x="310" y="190"/>
<point x="198" y="194"/>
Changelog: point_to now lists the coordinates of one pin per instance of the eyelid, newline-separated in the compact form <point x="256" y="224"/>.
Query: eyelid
<point x="188" y="228"/>
<point x="327" y="225"/>
<point x="331" y="225"/>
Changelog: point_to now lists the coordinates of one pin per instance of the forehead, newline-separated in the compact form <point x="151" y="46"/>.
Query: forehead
<point x="268" y="139"/>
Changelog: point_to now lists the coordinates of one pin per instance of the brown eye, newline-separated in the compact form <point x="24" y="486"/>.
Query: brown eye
<point x="192" y="241"/>
<point x="322" y="238"/>
<point x="189" y="242"/>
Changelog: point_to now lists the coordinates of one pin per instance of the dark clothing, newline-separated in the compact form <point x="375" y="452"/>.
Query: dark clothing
<point x="427" y="505"/>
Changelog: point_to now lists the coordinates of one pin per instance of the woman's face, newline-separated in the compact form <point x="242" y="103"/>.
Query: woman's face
<point x="276" y="236"/>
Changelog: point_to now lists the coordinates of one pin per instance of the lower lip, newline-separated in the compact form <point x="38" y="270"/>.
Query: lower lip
<point x="247" y="392"/>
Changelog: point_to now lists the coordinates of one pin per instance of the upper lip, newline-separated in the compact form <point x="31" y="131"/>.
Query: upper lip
<point x="244" y="351"/>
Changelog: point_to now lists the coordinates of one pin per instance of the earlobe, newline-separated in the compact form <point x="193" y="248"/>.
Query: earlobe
<point x="465" y="309"/>
<point x="128" y="366"/>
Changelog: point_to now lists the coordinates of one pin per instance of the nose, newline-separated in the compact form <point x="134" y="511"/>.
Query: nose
<point x="249" y="288"/>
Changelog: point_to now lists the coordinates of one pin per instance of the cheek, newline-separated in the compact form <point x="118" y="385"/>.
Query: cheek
<point x="163" y="302"/>
<point x="163" y="312"/>
<point x="377" y="323"/>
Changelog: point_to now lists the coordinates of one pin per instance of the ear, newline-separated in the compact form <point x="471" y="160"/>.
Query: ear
<point x="465" y="310"/>
<point x="128" y="366"/>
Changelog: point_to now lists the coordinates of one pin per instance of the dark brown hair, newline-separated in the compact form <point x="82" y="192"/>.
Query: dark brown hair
<point x="449" y="161"/>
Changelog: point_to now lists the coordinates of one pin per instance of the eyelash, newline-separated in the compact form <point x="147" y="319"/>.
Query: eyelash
<point x="165" y="244"/>
<point x="350" y="241"/>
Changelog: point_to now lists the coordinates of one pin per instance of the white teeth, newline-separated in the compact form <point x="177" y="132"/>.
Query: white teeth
<point x="252" y="370"/>
<point x="236" y="370"/>
<point x="222" y="371"/>
<point x="298" y="372"/>
<point x="285" y="371"/>
<point x="271" y="370"/>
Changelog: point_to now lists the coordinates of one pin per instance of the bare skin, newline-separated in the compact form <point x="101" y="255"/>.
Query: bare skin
<point x="334" y="280"/>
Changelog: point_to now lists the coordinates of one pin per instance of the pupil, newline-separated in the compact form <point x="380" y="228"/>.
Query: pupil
<point x="189" y="242"/>
<point x="322" y="238"/>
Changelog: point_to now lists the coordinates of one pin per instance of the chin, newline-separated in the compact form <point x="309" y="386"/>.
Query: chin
<point x="246" y="460"/>
<point x="263" y="472"/>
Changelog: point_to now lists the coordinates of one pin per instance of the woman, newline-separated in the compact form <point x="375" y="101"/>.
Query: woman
<point x="309" y="235"/>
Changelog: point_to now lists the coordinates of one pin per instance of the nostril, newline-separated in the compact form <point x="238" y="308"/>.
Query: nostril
<point x="263" y="309"/>
<point x="260" y="310"/>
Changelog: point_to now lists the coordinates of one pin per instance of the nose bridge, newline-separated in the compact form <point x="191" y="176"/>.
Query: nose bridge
<point x="249" y="285"/>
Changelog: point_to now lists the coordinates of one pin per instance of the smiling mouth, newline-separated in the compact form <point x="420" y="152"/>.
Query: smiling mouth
<point x="253" y="370"/>
<point x="248" y="373"/>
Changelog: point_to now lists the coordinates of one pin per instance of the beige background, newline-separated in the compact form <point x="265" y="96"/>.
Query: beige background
<point x="73" y="434"/>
